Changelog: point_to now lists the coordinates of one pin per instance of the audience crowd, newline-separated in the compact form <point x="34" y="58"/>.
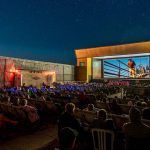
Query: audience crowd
<point x="77" y="108"/>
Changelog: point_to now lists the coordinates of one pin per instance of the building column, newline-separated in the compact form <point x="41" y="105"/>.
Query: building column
<point x="89" y="69"/>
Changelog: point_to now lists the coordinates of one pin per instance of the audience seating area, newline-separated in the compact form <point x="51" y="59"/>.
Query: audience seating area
<point x="33" y="108"/>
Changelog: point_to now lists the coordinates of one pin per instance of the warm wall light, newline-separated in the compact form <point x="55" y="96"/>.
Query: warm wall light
<point x="13" y="70"/>
<point x="52" y="72"/>
<point x="10" y="70"/>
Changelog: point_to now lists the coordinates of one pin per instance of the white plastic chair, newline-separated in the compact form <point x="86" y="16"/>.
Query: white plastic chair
<point x="101" y="142"/>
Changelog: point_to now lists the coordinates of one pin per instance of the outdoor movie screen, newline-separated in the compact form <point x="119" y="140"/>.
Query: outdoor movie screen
<point x="131" y="67"/>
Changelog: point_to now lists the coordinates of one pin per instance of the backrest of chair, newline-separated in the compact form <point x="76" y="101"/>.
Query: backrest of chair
<point x="103" y="139"/>
<point x="102" y="105"/>
<point x="125" y="108"/>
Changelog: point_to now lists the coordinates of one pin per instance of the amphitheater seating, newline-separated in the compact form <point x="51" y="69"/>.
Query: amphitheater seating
<point x="84" y="115"/>
<point x="14" y="111"/>
<point x="124" y="107"/>
<point x="102" y="105"/>
<point x="89" y="116"/>
<point x="103" y="139"/>
<point x="119" y="120"/>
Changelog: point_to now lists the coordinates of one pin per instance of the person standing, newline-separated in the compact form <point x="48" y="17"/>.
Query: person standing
<point x="131" y="65"/>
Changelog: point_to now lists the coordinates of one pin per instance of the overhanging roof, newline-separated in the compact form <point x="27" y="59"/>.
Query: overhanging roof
<point x="125" y="49"/>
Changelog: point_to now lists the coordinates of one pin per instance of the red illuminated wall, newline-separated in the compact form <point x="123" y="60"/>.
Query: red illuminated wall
<point x="8" y="74"/>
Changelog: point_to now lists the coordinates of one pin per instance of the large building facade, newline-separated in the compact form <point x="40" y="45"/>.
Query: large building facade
<point x="15" y="72"/>
<point x="113" y="62"/>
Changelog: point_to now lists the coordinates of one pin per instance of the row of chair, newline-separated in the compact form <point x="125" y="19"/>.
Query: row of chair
<point x="14" y="112"/>
<point x="119" y="120"/>
<point x="124" y="107"/>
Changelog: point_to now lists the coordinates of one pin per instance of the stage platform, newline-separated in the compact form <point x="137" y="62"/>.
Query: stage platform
<point x="43" y="139"/>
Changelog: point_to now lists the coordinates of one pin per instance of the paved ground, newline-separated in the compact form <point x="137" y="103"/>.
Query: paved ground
<point x="38" y="140"/>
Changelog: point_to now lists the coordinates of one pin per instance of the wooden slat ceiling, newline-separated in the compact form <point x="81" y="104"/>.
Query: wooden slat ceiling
<point x="126" y="49"/>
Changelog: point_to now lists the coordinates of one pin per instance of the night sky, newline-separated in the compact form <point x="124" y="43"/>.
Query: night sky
<point x="50" y="30"/>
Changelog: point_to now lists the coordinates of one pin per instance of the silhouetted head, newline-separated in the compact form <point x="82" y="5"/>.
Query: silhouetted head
<point x="135" y="114"/>
<point x="138" y="103"/>
<point x="70" y="107"/>
<point x="137" y="98"/>
<point x="102" y="114"/>
<point x="90" y="107"/>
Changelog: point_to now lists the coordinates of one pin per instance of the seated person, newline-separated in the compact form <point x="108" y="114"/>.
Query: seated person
<point x="83" y="100"/>
<point x="136" y="98"/>
<point x="138" y="103"/>
<point x="136" y="132"/>
<point x="67" y="119"/>
<point x="130" y="103"/>
<point x="102" y="122"/>
<point x="146" y="99"/>
<point x="115" y="108"/>
<point x="91" y="108"/>
<point x="67" y="139"/>
<point x="31" y="111"/>
<point x="16" y="101"/>
<point x="4" y="120"/>
<point x="146" y="113"/>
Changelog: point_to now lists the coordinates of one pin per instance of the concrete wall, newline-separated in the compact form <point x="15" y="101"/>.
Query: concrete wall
<point x="81" y="73"/>
<point x="63" y="72"/>
<point x="33" y="72"/>
<point x="37" y="78"/>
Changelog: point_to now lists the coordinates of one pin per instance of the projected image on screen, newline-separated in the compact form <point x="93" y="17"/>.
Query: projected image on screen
<point x="135" y="67"/>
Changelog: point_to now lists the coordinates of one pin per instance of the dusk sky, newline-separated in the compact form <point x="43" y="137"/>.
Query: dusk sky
<point x="50" y="30"/>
